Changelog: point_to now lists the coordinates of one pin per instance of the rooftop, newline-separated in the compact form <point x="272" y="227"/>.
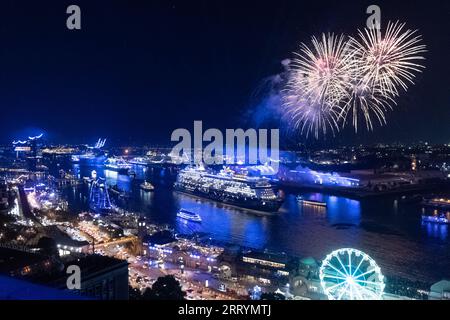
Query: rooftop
<point x="15" y="289"/>
<point x="160" y="238"/>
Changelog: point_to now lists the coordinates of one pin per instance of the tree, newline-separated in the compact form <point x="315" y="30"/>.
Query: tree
<point x="134" y="294"/>
<point x="165" y="288"/>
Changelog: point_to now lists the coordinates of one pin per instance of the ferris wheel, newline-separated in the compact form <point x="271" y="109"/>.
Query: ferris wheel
<point x="350" y="274"/>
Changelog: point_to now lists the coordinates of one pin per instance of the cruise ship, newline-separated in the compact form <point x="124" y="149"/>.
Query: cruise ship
<point x="239" y="190"/>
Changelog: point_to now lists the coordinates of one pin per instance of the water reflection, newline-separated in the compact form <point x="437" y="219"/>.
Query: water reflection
<point x="338" y="210"/>
<point x="436" y="230"/>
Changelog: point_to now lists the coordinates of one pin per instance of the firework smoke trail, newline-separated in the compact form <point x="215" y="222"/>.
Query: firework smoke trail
<point x="384" y="65"/>
<point x="318" y="84"/>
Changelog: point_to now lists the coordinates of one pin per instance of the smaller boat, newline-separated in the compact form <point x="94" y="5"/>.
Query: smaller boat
<point x="187" y="215"/>
<point x="147" y="186"/>
<point x="311" y="202"/>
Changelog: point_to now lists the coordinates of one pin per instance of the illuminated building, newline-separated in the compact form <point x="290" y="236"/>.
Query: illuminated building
<point x="59" y="151"/>
<point x="413" y="164"/>
<point x="264" y="267"/>
<point x="360" y="180"/>
<point x="29" y="148"/>
<point x="259" y="267"/>
<point x="304" y="279"/>
<point x="159" y="244"/>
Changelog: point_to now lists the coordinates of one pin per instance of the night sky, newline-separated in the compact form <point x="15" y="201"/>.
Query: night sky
<point x="140" y="69"/>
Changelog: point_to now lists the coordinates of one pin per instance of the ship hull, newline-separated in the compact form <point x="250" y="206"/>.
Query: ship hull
<point x="252" y="204"/>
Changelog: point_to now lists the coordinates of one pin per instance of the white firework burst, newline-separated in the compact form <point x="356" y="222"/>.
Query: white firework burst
<point x="384" y="65"/>
<point x="318" y="83"/>
<point x="338" y="81"/>
<point x="390" y="61"/>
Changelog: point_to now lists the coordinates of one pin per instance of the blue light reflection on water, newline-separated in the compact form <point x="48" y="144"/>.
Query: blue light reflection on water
<point x="222" y="222"/>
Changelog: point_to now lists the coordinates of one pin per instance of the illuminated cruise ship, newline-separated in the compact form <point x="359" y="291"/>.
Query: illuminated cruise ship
<point x="228" y="187"/>
<point x="89" y="156"/>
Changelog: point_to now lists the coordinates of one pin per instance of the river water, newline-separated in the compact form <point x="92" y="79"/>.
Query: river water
<point x="390" y="232"/>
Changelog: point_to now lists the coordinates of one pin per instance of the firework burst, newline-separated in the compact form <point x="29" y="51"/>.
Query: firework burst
<point x="389" y="62"/>
<point x="383" y="66"/>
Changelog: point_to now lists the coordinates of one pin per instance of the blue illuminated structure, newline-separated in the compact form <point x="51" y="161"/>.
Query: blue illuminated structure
<point x="309" y="176"/>
<point x="100" y="143"/>
<point x="256" y="293"/>
<point x="19" y="142"/>
<point x="36" y="137"/>
<point x="31" y="138"/>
